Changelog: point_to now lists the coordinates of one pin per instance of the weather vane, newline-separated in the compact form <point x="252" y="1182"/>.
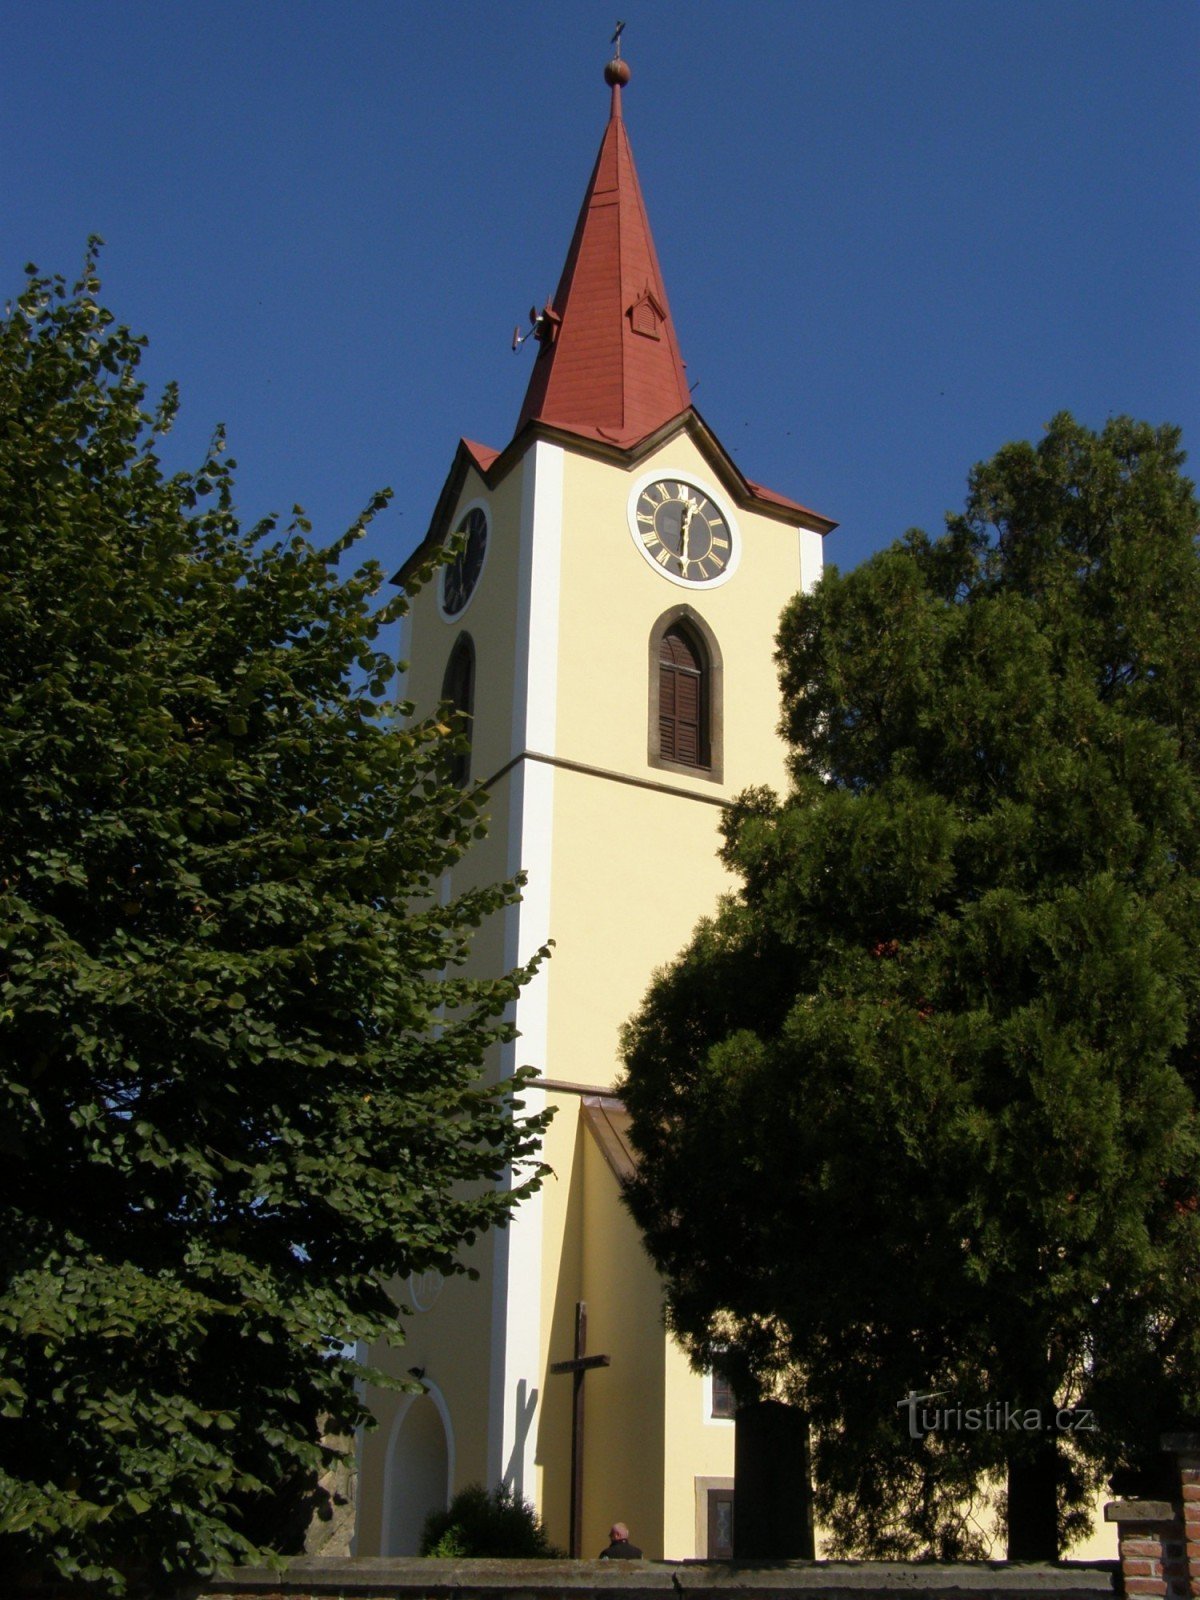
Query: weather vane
<point x="616" y="38"/>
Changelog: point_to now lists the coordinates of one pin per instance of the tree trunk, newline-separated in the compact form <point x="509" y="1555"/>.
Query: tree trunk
<point x="1033" y="1502"/>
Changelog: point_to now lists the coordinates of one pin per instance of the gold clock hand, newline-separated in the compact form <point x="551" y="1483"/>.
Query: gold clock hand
<point x="684" y="523"/>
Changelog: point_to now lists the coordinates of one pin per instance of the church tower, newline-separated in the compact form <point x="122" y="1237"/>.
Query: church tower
<point x="609" y="625"/>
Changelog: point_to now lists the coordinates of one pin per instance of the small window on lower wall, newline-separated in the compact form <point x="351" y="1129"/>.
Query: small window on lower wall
<point x="458" y="687"/>
<point x="685" y="695"/>
<point x="720" y="1525"/>
<point x="714" y="1519"/>
<point x="723" y="1402"/>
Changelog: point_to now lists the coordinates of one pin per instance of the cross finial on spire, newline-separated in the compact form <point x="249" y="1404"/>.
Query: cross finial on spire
<point x="616" y="72"/>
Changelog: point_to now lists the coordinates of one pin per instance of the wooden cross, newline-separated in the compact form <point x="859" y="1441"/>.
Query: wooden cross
<point x="581" y="1364"/>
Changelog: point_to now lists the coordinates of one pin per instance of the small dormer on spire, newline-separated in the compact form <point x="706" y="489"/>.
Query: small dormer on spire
<point x="608" y="365"/>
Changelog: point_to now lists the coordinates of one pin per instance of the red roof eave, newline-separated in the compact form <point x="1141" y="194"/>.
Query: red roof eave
<point x="769" y="495"/>
<point x="482" y="455"/>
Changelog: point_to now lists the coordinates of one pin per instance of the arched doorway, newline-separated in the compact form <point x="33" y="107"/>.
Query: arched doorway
<point x="418" y="1474"/>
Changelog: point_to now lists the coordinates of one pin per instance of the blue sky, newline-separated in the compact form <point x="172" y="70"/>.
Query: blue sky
<point x="894" y="235"/>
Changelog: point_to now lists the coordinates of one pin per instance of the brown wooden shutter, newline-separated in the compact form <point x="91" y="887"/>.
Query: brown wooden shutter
<point x="681" y="701"/>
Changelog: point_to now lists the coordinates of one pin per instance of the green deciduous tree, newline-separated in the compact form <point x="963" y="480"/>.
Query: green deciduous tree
<point x="917" y="1109"/>
<point x="240" y="1068"/>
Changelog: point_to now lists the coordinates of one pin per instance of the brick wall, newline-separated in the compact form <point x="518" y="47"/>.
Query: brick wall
<point x="1159" y="1540"/>
<point x="1186" y="1449"/>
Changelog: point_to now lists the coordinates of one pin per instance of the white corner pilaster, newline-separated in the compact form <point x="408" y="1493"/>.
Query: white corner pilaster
<point x="517" y="1285"/>
<point x="535" y="700"/>
<point x="403" y="653"/>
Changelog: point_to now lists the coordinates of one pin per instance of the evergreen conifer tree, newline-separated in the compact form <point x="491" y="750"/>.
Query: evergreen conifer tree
<point x="917" y="1108"/>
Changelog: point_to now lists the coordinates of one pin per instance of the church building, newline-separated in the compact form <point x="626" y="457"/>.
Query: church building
<point x="609" y="627"/>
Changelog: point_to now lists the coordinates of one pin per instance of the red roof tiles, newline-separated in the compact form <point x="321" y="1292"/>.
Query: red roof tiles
<point x="608" y="366"/>
<point x="481" y="454"/>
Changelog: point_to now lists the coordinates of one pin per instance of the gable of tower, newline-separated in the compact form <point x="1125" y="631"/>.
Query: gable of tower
<point x="491" y="467"/>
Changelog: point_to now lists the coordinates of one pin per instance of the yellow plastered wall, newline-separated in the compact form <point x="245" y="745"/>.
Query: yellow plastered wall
<point x="450" y="1340"/>
<point x="612" y="597"/>
<point x="634" y="865"/>
<point x="697" y="1445"/>
<point x="630" y="851"/>
<point x="562" y="1286"/>
<point x="489" y="617"/>
<point x="625" y="1402"/>
<point x="633" y="870"/>
<point x="444" y="1342"/>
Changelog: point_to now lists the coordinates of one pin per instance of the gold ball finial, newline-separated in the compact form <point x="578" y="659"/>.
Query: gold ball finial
<point x="617" y="72"/>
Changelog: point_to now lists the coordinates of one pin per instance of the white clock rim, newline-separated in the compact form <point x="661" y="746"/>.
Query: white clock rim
<point x="723" y="506"/>
<point x="452" y="617"/>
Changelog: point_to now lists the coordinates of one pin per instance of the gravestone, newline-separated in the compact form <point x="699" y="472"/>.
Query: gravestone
<point x="772" y="1508"/>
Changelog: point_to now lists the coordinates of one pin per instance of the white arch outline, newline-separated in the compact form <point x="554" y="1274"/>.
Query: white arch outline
<point x="389" y="1461"/>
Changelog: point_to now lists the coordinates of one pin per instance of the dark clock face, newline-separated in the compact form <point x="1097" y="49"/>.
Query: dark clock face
<point x="683" y="531"/>
<point x="462" y="574"/>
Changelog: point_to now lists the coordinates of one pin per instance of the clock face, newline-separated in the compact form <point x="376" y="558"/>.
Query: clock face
<point x="683" y="531"/>
<point x="462" y="574"/>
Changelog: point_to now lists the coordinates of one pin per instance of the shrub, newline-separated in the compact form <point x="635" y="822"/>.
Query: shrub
<point x="479" y="1523"/>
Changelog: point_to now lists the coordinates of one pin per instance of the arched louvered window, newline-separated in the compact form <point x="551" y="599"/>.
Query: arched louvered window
<point x="458" y="687"/>
<point x="686" y="695"/>
<point x="683" y="698"/>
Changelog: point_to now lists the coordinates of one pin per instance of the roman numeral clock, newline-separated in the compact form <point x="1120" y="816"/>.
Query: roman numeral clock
<point x="686" y="532"/>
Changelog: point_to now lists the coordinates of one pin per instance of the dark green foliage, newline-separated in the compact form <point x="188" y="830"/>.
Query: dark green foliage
<point x="917" y="1110"/>
<point x="479" y="1523"/>
<point x="240" y="1075"/>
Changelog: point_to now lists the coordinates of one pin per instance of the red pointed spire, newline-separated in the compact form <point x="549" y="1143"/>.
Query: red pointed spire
<point x="608" y="366"/>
